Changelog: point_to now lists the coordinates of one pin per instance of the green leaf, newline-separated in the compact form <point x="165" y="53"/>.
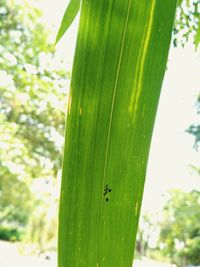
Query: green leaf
<point x="68" y="18"/>
<point x="118" y="69"/>
<point x="197" y="36"/>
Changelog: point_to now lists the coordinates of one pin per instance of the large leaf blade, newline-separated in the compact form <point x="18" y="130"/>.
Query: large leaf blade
<point x="118" y="69"/>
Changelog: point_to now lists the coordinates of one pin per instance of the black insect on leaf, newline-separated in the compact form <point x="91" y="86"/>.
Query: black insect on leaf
<point x="106" y="191"/>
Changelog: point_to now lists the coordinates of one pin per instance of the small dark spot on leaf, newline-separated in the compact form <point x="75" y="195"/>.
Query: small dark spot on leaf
<point x="106" y="191"/>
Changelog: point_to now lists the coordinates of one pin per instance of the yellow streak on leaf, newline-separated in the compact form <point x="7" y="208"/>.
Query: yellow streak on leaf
<point x="141" y="63"/>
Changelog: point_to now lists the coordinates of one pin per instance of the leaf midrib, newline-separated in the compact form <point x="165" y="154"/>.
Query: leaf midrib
<point x="110" y="123"/>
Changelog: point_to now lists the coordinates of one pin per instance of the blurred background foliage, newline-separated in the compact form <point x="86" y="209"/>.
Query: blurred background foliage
<point x="34" y="85"/>
<point x="180" y="228"/>
<point x="33" y="98"/>
<point x="174" y="235"/>
<point x="187" y="23"/>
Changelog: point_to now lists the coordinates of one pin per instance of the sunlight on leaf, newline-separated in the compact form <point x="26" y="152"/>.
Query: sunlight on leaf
<point x="119" y="64"/>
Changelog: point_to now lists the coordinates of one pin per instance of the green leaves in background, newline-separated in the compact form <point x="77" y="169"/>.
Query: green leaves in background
<point x="33" y="92"/>
<point x="186" y="26"/>
<point x="180" y="226"/>
<point x="197" y="36"/>
<point x="68" y="18"/>
<point x="118" y="70"/>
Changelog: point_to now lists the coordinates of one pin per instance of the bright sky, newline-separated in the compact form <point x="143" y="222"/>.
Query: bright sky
<point x="171" y="150"/>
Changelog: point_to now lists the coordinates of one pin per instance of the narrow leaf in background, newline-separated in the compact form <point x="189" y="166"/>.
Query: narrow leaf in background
<point x="197" y="36"/>
<point x="119" y="64"/>
<point x="68" y="18"/>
